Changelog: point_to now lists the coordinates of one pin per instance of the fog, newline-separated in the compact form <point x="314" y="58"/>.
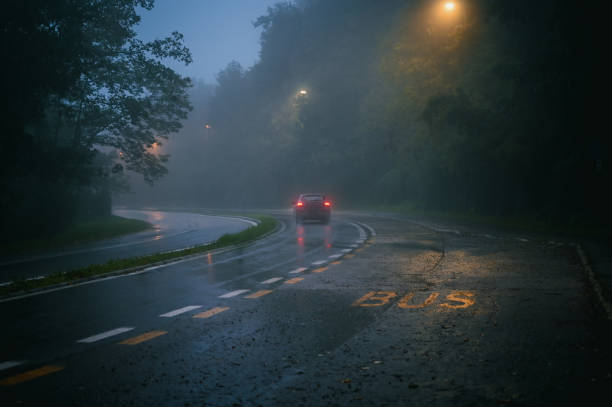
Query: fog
<point x="477" y="107"/>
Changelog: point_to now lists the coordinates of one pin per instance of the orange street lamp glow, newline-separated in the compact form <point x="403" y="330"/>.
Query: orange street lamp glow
<point x="449" y="6"/>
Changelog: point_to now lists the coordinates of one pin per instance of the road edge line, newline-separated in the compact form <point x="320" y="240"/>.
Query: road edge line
<point x="595" y="285"/>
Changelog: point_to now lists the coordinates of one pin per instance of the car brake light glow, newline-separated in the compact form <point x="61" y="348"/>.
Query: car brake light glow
<point x="327" y="203"/>
<point x="300" y="203"/>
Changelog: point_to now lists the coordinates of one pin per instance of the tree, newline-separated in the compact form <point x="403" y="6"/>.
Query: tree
<point x="79" y="64"/>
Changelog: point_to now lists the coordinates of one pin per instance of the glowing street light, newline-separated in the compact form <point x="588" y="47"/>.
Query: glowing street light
<point x="303" y="92"/>
<point x="449" y="6"/>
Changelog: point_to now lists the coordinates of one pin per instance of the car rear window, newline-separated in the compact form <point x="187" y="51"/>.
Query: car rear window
<point x="313" y="197"/>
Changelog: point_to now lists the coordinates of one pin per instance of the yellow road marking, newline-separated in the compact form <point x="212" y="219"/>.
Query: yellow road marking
<point x="466" y="302"/>
<point x="294" y="280"/>
<point x="32" y="374"/>
<point x="349" y="256"/>
<point x="211" y="312"/>
<point x="360" y="249"/>
<point x="319" y="270"/>
<point x="259" y="293"/>
<point x="380" y="298"/>
<point x="333" y="263"/>
<point x="142" y="338"/>
<point x="403" y="303"/>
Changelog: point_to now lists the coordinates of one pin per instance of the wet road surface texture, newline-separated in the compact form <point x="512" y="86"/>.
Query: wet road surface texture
<point x="369" y="310"/>
<point x="170" y="231"/>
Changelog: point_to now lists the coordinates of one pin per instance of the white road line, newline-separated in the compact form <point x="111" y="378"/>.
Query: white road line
<point x="360" y="241"/>
<point x="298" y="270"/>
<point x="7" y="283"/>
<point x="180" y="311"/>
<point x="271" y="280"/>
<point x="354" y="245"/>
<point x="346" y="250"/>
<point x="156" y="267"/>
<point x="362" y="233"/>
<point x="335" y="256"/>
<point x="372" y="231"/>
<point x="318" y="263"/>
<point x="10" y="363"/>
<point x="233" y="293"/>
<point x="106" y="334"/>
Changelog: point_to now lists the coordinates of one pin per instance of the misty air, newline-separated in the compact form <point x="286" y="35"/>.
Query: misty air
<point x="305" y="202"/>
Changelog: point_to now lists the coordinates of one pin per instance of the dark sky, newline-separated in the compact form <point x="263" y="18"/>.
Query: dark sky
<point x="216" y="31"/>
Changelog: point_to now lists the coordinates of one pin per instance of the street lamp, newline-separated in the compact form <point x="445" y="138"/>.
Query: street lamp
<point x="303" y="92"/>
<point x="449" y="6"/>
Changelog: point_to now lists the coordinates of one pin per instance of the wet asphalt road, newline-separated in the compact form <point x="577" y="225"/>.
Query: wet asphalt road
<point x="401" y="314"/>
<point x="170" y="231"/>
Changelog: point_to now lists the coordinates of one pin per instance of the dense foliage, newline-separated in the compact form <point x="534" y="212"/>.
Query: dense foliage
<point x="77" y="87"/>
<point x="484" y="109"/>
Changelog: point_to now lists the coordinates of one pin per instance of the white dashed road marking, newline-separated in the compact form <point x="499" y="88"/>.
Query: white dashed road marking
<point x="233" y="293"/>
<point x="106" y="334"/>
<point x="335" y="256"/>
<point x="298" y="270"/>
<point x="9" y="363"/>
<point x="318" y="263"/>
<point x="272" y="280"/>
<point x="346" y="250"/>
<point x="180" y="311"/>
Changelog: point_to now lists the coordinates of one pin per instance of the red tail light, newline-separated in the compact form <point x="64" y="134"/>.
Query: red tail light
<point x="300" y="203"/>
<point x="327" y="203"/>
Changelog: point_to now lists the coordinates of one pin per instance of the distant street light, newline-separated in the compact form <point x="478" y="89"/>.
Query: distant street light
<point x="445" y="15"/>
<point x="303" y="92"/>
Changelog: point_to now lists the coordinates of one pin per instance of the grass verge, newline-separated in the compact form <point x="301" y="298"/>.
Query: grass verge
<point x="82" y="232"/>
<point x="267" y="224"/>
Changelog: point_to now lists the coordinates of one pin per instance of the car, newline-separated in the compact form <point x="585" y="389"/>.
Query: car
<point x="312" y="207"/>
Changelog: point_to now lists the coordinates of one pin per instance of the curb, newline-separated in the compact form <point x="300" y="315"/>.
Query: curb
<point x="595" y="285"/>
